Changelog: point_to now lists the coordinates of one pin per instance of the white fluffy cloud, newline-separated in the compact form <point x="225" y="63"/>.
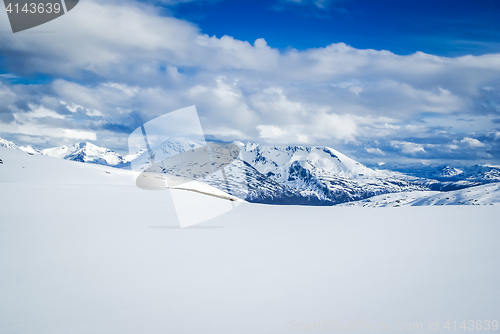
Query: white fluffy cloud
<point x="408" y="147"/>
<point x="125" y="62"/>
<point x="472" y="142"/>
<point x="375" y="151"/>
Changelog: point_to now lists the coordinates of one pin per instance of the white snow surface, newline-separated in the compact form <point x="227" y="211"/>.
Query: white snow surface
<point x="84" y="251"/>
<point x="390" y="200"/>
<point x="29" y="149"/>
<point x="56" y="152"/>
<point x="7" y="144"/>
<point x="488" y="194"/>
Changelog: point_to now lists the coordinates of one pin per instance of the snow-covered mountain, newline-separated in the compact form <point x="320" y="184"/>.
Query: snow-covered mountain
<point x="323" y="175"/>
<point x="81" y="152"/>
<point x="450" y="177"/>
<point x="293" y="174"/>
<point x="166" y="149"/>
<point x="487" y="194"/>
<point x="8" y="144"/>
<point x="87" y="152"/>
<point x="244" y="181"/>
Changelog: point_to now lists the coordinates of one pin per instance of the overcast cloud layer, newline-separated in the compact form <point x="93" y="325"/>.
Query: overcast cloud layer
<point x="102" y="69"/>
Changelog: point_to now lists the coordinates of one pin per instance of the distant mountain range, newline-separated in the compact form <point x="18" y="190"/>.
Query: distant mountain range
<point x="487" y="194"/>
<point x="294" y="174"/>
<point x="81" y="152"/>
<point x="459" y="176"/>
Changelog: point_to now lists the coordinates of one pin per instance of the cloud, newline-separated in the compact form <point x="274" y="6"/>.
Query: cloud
<point x="375" y="151"/>
<point x="472" y="142"/>
<point x="77" y="134"/>
<point x="127" y="62"/>
<point x="271" y="132"/>
<point x="408" y="147"/>
<point x="130" y="91"/>
<point x="6" y="115"/>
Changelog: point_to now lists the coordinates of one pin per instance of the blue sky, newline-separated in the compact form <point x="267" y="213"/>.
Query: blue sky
<point x="445" y="28"/>
<point x="381" y="81"/>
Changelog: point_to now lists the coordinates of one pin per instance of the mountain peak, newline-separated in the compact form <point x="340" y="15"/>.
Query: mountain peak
<point x="293" y="174"/>
<point x="7" y="144"/>
<point x="85" y="144"/>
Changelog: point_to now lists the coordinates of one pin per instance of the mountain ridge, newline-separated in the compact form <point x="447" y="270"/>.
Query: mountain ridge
<point x="305" y="175"/>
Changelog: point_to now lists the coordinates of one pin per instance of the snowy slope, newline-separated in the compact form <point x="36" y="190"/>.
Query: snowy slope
<point x="390" y="200"/>
<point x="84" y="251"/>
<point x="488" y="194"/>
<point x="56" y="152"/>
<point x="19" y="167"/>
<point x="29" y="149"/>
<point x="8" y="144"/>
